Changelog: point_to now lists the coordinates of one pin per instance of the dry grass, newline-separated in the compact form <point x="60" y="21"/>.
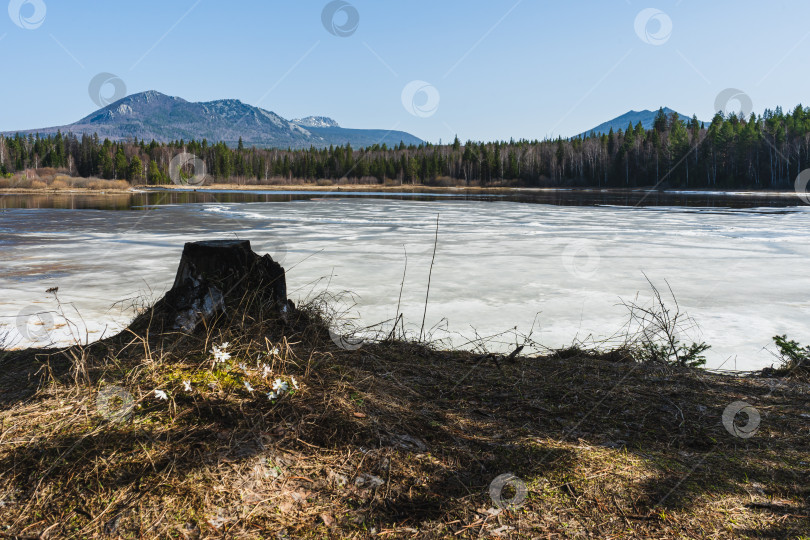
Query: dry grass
<point x="53" y="180"/>
<point x="393" y="440"/>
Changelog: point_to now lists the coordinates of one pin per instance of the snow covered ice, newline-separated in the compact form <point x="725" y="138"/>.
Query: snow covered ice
<point x="740" y="273"/>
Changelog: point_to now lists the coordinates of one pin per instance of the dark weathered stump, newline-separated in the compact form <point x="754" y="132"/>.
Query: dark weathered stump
<point x="213" y="274"/>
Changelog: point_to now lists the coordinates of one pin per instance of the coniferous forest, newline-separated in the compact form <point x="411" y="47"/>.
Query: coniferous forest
<point x="760" y="152"/>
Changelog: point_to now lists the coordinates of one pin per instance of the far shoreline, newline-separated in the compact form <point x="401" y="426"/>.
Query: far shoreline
<point x="406" y="188"/>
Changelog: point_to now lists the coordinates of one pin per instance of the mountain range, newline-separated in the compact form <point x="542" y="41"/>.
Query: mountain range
<point x="153" y="115"/>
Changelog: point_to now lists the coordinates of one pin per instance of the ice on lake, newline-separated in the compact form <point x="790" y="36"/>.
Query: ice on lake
<point x="559" y="270"/>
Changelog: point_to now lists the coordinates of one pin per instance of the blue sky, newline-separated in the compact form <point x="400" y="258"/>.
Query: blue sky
<point x="499" y="69"/>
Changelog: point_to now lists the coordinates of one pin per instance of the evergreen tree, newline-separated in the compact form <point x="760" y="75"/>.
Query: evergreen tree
<point x="135" y="170"/>
<point x="121" y="164"/>
<point x="153" y="175"/>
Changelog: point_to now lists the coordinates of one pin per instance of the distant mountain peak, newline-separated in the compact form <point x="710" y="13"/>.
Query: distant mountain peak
<point x="646" y="117"/>
<point x="316" y="122"/>
<point x="150" y="95"/>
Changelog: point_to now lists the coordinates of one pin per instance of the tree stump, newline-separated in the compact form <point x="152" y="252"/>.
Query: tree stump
<point x="213" y="274"/>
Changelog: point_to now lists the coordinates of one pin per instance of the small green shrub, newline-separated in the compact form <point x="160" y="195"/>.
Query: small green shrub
<point x="791" y="353"/>
<point x="675" y="353"/>
<point x="654" y="328"/>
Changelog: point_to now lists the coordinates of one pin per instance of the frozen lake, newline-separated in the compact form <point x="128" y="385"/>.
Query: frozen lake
<point x="501" y="262"/>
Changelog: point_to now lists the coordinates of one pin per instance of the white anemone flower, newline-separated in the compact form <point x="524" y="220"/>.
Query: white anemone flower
<point x="294" y="382"/>
<point x="249" y="388"/>
<point x="274" y="351"/>
<point x="160" y="394"/>
<point x="224" y="345"/>
<point x="280" y="386"/>
<point x="219" y="354"/>
<point x="272" y="395"/>
<point x="266" y="372"/>
<point x="187" y="386"/>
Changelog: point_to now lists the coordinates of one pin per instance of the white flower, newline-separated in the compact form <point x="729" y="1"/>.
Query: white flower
<point x="224" y="345"/>
<point x="160" y="394"/>
<point x="266" y="372"/>
<point x="249" y="388"/>
<point x="272" y="395"/>
<point x="274" y="351"/>
<point x="280" y="386"/>
<point x="294" y="382"/>
<point x="187" y="386"/>
<point x="243" y="367"/>
<point x="219" y="353"/>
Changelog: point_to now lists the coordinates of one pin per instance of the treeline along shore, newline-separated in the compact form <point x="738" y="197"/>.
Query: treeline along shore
<point x="765" y="152"/>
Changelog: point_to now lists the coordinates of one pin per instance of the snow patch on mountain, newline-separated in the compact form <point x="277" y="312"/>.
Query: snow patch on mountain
<point x="316" y="122"/>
